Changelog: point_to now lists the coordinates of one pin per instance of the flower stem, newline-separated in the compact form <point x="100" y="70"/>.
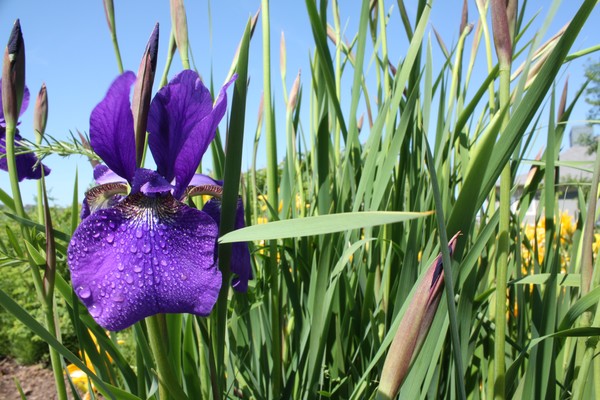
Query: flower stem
<point x="12" y="169"/>
<point x="55" y="359"/>
<point x="503" y="248"/>
<point x="168" y="387"/>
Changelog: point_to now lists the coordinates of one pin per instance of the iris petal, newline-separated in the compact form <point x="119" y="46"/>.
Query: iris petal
<point x="111" y="128"/>
<point x="142" y="257"/>
<point x="182" y="123"/>
<point x="28" y="165"/>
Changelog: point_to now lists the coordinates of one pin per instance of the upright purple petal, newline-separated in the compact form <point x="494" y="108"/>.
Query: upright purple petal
<point x="28" y="165"/>
<point x="142" y="257"/>
<point x="240" y="254"/>
<point x="111" y="128"/>
<point x="182" y="123"/>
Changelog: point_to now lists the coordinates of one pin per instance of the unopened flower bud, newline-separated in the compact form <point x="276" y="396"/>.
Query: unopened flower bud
<point x="40" y="113"/>
<point x="13" y="75"/>
<point x="414" y="327"/>
<point x="179" y="22"/>
<point x="502" y="37"/>
<point x="142" y="93"/>
<point x="294" y="93"/>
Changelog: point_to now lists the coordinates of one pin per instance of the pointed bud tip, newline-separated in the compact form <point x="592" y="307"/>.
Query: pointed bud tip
<point x="15" y="41"/>
<point x="153" y="45"/>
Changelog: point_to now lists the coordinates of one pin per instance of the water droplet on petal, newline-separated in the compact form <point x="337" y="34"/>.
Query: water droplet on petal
<point x="95" y="311"/>
<point x="84" y="292"/>
<point x="146" y="249"/>
<point x="137" y="268"/>
<point x="133" y="249"/>
<point x="128" y="279"/>
<point x="96" y="235"/>
<point x="120" y="267"/>
<point x="139" y="233"/>
<point x="110" y="238"/>
<point x="119" y="298"/>
<point x="183" y="277"/>
<point x="163" y="263"/>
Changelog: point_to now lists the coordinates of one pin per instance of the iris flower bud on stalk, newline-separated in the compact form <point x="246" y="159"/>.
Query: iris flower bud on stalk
<point x="142" y="94"/>
<point x="13" y="102"/>
<point x="13" y="76"/>
<point x="40" y="113"/>
<point x="179" y="22"/>
<point x="414" y="327"/>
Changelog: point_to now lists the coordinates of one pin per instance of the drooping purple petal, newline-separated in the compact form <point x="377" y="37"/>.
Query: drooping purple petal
<point x="142" y="257"/>
<point x="182" y="123"/>
<point x="24" y="104"/>
<point x="28" y="165"/>
<point x="111" y="128"/>
<point x="103" y="174"/>
<point x="240" y="254"/>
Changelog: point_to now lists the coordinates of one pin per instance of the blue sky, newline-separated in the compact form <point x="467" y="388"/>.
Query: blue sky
<point x="68" y="47"/>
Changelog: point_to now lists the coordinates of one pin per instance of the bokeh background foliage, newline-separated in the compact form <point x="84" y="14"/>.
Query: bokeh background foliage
<point x="342" y="230"/>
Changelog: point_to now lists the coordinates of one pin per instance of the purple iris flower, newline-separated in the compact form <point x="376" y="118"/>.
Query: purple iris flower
<point x="28" y="165"/>
<point x="140" y="250"/>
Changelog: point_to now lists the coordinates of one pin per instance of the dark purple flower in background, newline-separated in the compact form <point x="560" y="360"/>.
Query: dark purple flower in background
<point x="28" y="165"/>
<point x="142" y="251"/>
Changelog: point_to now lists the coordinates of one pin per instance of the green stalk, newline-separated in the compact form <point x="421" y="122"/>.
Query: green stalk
<point x="12" y="168"/>
<point x="503" y="45"/>
<point x="117" y="52"/>
<point x="55" y="359"/>
<point x="168" y="387"/>
<point x="271" y="143"/>
<point x="170" y="53"/>
<point x="155" y="339"/>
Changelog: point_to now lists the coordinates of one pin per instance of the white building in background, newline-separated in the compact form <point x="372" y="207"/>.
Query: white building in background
<point x="570" y="177"/>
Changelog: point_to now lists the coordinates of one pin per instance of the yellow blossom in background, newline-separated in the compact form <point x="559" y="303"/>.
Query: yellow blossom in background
<point x="536" y="235"/>
<point x="80" y="378"/>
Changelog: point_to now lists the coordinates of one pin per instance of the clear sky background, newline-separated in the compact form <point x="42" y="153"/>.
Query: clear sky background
<point x="68" y="47"/>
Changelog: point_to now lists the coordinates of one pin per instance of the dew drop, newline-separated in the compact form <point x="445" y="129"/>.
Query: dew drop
<point x="137" y="268"/>
<point x="96" y="235"/>
<point x="110" y="238"/>
<point x="133" y="249"/>
<point x="129" y="279"/>
<point x="119" y="298"/>
<point x="95" y="311"/>
<point x="146" y="249"/>
<point x="183" y="277"/>
<point x="139" y="233"/>
<point x="120" y="267"/>
<point x="112" y="224"/>
<point x="155" y="260"/>
<point x="84" y="292"/>
<point x="163" y="263"/>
